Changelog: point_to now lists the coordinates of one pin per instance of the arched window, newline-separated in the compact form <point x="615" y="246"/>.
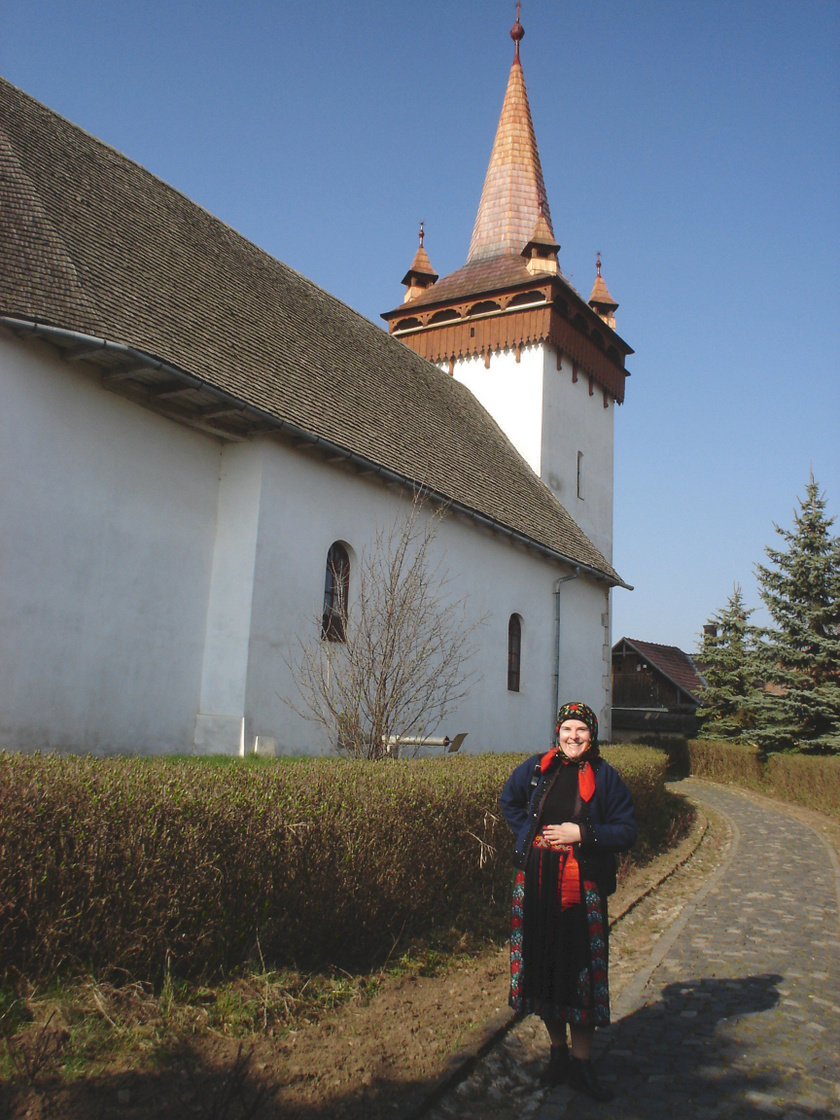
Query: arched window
<point x="336" y="594"/>
<point x="514" y="652"/>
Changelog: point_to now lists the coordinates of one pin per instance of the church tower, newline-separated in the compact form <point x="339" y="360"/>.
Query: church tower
<point x="546" y="363"/>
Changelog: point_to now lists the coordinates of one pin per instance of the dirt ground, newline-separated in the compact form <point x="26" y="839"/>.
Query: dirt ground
<point x="369" y="1060"/>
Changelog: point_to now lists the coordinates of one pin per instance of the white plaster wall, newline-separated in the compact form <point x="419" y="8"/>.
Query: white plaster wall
<point x="220" y="722"/>
<point x="512" y="393"/>
<point x="575" y="421"/>
<point x="107" y="517"/>
<point x="585" y="648"/>
<point x="152" y="583"/>
<point x="549" y="419"/>
<point x="307" y="505"/>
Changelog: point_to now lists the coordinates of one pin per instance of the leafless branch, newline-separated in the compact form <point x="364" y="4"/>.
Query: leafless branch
<point x="405" y="663"/>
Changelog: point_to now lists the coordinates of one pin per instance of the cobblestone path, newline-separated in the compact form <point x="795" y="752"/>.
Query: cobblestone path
<point x="725" y="986"/>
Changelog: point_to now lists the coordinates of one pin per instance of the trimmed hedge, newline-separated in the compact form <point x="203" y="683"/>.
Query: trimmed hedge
<point x="723" y="761"/>
<point x="809" y="780"/>
<point x="142" y="867"/>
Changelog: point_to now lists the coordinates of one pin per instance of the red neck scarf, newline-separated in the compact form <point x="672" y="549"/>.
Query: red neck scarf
<point x="586" y="775"/>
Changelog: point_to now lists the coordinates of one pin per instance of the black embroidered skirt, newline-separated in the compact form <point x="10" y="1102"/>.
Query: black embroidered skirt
<point x="558" y="958"/>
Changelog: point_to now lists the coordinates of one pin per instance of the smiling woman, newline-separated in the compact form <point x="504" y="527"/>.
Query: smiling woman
<point x="570" y="812"/>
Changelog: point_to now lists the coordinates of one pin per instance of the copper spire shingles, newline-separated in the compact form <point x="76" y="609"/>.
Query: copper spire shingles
<point x="511" y="292"/>
<point x="514" y="191"/>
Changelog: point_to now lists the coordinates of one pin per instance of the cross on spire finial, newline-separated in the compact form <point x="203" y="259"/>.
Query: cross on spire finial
<point x="598" y="262"/>
<point x="422" y="235"/>
<point x="516" y="33"/>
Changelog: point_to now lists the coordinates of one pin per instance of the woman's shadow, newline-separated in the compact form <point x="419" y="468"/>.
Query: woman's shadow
<point x="696" y="1047"/>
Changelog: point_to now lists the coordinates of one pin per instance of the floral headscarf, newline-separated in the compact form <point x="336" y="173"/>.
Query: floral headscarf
<point x="576" y="710"/>
<point x="586" y="776"/>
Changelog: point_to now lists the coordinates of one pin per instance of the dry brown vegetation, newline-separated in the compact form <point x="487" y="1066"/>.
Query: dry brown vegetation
<point x="152" y="869"/>
<point x="169" y="929"/>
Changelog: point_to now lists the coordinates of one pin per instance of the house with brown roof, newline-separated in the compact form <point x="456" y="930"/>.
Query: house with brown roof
<point x="191" y="429"/>
<point x="656" y="690"/>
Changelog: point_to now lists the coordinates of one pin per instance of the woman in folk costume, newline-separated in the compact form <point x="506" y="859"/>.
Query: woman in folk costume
<point x="570" y="813"/>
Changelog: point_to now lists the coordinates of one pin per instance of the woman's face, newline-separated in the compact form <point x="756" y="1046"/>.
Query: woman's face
<point x="574" y="738"/>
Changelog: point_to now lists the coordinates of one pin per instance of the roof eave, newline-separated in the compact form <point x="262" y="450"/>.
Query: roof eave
<point x="78" y="346"/>
<point x="539" y="281"/>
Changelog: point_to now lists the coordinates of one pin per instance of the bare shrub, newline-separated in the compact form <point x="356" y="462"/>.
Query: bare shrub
<point x="35" y="1053"/>
<point x="398" y="661"/>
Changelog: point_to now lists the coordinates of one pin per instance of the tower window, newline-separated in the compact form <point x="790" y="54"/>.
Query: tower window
<point x="514" y="652"/>
<point x="336" y="594"/>
<point x="580" y="475"/>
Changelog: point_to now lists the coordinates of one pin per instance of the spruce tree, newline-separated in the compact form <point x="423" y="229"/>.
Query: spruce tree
<point x="799" y="708"/>
<point x="728" y="663"/>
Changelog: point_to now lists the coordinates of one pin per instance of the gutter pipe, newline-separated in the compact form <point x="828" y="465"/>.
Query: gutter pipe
<point x="557" y="586"/>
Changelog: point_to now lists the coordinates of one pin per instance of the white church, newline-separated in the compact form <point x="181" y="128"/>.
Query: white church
<point x="191" y="429"/>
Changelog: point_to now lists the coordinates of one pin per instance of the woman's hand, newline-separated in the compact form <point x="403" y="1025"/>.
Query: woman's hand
<point x="566" y="833"/>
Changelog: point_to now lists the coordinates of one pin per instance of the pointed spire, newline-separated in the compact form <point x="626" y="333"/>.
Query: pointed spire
<point x="514" y="191"/>
<point x="420" y="275"/>
<point x="601" y="301"/>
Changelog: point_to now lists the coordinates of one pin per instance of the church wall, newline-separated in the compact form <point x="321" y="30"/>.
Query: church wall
<point x="307" y="505"/>
<point x="572" y="422"/>
<point x="549" y="418"/>
<point x="219" y="725"/>
<point x="107" y="515"/>
<point x="153" y="582"/>
<point x="512" y="393"/>
<point x="585" y="665"/>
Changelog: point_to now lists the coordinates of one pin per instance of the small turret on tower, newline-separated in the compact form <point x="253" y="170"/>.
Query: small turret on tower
<point x="601" y="301"/>
<point x="421" y="275"/>
<point x="541" y="251"/>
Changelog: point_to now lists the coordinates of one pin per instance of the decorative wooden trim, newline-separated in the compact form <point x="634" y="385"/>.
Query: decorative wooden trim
<point x="591" y="385"/>
<point x="497" y="333"/>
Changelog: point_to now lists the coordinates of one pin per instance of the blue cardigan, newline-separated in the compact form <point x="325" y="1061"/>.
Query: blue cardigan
<point x="608" y="825"/>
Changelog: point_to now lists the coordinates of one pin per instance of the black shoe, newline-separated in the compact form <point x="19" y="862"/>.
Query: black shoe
<point x="557" y="1068"/>
<point x="582" y="1076"/>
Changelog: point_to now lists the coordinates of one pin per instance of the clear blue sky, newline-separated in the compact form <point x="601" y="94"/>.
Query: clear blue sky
<point x="696" y="143"/>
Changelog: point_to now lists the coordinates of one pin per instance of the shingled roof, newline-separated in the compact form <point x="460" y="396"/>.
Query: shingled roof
<point x="671" y="662"/>
<point x="187" y="316"/>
